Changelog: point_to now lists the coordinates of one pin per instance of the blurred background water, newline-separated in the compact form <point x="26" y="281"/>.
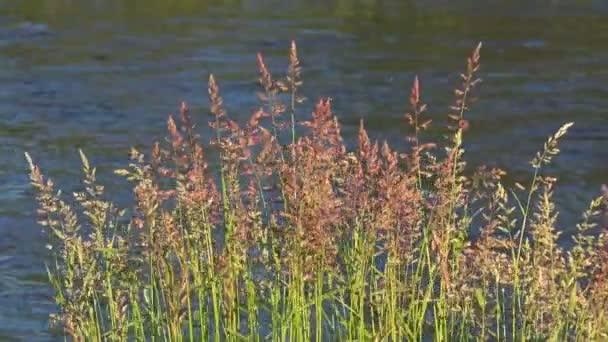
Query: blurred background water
<point x="102" y="75"/>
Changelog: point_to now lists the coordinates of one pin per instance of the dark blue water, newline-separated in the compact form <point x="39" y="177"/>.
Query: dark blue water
<point x="103" y="75"/>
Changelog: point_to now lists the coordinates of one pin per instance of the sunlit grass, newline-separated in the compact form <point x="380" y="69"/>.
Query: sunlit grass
<point x="297" y="238"/>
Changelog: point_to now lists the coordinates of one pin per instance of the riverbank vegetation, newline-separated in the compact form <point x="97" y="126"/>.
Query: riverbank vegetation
<point x="297" y="237"/>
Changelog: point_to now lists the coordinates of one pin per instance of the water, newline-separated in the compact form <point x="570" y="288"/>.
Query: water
<point x="103" y="75"/>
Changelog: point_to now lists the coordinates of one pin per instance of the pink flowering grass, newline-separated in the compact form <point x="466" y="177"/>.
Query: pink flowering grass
<point x="300" y="238"/>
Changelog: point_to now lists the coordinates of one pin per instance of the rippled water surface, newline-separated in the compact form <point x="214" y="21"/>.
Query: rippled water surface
<point x="103" y="75"/>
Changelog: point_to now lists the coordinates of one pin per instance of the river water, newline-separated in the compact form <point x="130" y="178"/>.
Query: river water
<point x="103" y="75"/>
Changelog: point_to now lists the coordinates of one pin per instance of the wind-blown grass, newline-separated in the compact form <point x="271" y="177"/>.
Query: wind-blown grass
<point x="296" y="238"/>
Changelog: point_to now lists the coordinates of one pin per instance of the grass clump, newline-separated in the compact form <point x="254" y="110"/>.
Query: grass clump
<point x="296" y="238"/>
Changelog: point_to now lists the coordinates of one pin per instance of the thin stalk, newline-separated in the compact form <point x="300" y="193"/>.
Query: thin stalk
<point x="319" y="305"/>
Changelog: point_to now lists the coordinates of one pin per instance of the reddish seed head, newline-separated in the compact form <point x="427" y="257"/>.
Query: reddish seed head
<point x="183" y="112"/>
<point x="415" y="96"/>
<point x="265" y="76"/>
<point x="324" y="104"/>
<point x="463" y="124"/>
<point x="183" y="107"/>
<point x="293" y="53"/>
<point x="260" y="60"/>
<point x="138" y="222"/>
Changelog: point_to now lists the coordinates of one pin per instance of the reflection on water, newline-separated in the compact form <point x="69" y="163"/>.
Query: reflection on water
<point x="103" y="75"/>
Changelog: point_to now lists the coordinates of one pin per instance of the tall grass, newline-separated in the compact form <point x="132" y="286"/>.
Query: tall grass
<point x="297" y="238"/>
